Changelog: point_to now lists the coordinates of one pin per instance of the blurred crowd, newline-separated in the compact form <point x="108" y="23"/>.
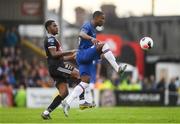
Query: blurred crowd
<point x="16" y="70"/>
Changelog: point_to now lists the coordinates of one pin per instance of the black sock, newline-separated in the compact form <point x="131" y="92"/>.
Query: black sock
<point x="81" y="97"/>
<point x="57" y="100"/>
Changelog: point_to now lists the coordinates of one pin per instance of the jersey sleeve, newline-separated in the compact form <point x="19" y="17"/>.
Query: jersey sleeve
<point x="85" y="28"/>
<point x="51" y="43"/>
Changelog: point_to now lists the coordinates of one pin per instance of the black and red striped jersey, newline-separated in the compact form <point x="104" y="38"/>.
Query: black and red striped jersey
<point x="51" y="42"/>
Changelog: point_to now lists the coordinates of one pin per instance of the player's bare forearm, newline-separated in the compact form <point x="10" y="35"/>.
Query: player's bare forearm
<point x="69" y="58"/>
<point x="85" y="36"/>
<point x="61" y="54"/>
<point x="58" y="54"/>
<point x="71" y="51"/>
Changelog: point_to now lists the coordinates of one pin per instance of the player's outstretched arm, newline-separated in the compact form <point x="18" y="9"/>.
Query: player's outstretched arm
<point x="71" y="57"/>
<point x="87" y="37"/>
<point x="57" y="54"/>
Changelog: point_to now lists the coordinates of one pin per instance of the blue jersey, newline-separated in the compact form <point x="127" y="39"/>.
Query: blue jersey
<point x="87" y="52"/>
<point x="90" y="30"/>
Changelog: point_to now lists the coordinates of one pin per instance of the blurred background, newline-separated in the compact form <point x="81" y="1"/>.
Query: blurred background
<point x="152" y="77"/>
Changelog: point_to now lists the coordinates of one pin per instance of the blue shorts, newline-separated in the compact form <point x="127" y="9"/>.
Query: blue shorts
<point x="85" y="58"/>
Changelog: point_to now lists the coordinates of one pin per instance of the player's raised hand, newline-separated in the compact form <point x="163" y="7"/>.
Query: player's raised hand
<point x="73" y="51"/>
<point x="94" y="41"/>
<point x="74" y="55"/>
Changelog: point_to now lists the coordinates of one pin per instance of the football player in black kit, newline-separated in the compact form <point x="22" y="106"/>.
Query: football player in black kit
<point x="58" y="70"/>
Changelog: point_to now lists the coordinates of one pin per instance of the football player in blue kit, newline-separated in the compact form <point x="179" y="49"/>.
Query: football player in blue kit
<point x="90" y="49"/>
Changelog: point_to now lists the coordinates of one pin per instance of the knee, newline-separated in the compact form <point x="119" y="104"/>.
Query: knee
<point x="64" y="94"/>
<point x="85" y="79"/>
<point x="99" y="46"/>
<point x="105" y="47"/>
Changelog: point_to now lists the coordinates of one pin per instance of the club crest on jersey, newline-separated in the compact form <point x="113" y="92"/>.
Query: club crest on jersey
<point x="51" y="40"/>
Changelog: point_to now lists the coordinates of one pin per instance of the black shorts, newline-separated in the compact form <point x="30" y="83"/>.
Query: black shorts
<point x="61" y="73"/>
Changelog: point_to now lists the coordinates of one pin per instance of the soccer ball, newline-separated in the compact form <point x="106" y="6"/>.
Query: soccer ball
<point x="146" y="43"/>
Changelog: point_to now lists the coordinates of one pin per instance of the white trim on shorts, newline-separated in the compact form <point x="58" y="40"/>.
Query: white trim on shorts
<point x="64" y="70"/>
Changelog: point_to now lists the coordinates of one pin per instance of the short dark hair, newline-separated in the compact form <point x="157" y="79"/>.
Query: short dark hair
<point x="48" y="23"/>
<point x="97" y="13"/>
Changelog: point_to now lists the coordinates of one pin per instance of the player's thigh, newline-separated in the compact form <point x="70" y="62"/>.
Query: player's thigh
<point x="87" y="55"/>
<point x="84" y="69"/>
<point x="75" y="73"/>
<point x="61" y="71"/>
<point x="85" y="72"/>
<point x="72" y="71"/>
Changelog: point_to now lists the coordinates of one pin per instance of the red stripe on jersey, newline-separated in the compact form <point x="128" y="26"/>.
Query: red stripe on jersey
<point x="58" y="48"/>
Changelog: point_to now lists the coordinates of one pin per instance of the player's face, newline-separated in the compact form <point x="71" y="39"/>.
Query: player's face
<point x="100" y="20"/>
<point x="53" y="28"/>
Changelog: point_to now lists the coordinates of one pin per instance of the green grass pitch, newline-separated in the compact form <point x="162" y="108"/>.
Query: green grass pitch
<point x="95" y="115"/>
